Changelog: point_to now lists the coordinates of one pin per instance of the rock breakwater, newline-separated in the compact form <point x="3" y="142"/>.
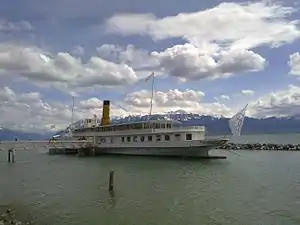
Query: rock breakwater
<point x="9" y="217"/>
<point x="260" y="146"/>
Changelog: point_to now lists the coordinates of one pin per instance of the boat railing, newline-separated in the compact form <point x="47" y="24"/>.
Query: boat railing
<point x="152" y="130"/>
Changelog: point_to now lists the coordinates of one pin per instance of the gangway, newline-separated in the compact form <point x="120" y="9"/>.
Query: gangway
<point x="58" y="145"/>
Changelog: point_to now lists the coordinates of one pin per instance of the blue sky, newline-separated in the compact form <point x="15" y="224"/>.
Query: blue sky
<point x="209" y="57"/>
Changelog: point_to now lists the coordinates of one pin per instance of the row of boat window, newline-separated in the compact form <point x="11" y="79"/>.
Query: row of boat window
<point x="188" y="137"/>
<point x="127" y="127"/>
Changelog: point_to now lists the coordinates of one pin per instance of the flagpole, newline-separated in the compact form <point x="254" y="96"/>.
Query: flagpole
<point x="72" y="119"/>
<point x="151" y="103"/>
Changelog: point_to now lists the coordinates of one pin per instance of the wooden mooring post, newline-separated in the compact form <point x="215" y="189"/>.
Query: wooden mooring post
<point x="111" y="185"/>
<point x="8" y="155"/>
<point x="11" y="155"/>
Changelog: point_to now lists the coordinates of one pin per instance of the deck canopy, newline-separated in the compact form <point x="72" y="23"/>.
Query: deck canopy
<point x="150" y="124"/>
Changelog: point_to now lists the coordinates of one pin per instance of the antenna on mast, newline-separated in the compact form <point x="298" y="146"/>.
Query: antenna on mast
<point x="152" y="90"/>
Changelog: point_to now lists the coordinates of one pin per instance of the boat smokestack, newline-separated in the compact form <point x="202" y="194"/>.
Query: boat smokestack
<point x="105" y="113"/>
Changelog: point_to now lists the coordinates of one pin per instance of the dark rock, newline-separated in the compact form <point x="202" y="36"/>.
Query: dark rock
<point x="263" y="146"/>
<point x="9" y="218"/>
<point x="3" y="216"/>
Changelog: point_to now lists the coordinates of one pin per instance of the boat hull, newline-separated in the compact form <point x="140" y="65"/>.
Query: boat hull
<point x="200" y="149"/>
<point x="150" y="151"/>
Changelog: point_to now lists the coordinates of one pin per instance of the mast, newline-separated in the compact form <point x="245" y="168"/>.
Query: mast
<point x="151" y="103"/>
<point x="72" y="119"/>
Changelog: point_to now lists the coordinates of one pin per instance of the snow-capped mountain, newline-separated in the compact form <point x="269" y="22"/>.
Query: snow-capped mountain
<point x="219" y="125"/>
<point x="214" y="125"/>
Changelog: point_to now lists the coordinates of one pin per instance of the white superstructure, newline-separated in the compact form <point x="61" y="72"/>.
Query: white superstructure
<point x="154" y="137"/>
<point x="151" y="137"/>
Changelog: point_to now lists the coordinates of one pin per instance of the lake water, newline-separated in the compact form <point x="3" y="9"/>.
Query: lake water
<point x="259" y="187"/>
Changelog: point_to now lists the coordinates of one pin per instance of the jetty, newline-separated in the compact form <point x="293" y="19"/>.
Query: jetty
<point x="81" y="147"/>
<point x="261" y="146"/>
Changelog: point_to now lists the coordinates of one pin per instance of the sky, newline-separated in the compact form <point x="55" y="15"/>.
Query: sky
<point x="210" y="57"/>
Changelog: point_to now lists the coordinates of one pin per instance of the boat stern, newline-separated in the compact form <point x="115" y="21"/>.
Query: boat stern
<point x="217" y="143"/>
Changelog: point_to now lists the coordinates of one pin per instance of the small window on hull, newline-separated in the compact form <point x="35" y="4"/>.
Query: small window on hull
<point x="188" y="137"/>
<point x="135" y="138"/>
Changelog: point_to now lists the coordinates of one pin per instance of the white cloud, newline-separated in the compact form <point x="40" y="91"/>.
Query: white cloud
<point x="30" y="112"/>
<point x="219" y="46"/>
<point x="94" y="105"/>
<point x="130" y="55"/>
<point x="62" y="70"/>
<point x="187" y="63"/>
<point x="172" y="100"/>
<point x="27" y="111"/>
<point x="247" y="92"/>
<point x="294" y="64"/>
<point x="219" y="39"/>
<point x="224" y="97"/>
<point x="8" y="26"/>
<point x="238" y="26"/>
<point x="282" y="103"/>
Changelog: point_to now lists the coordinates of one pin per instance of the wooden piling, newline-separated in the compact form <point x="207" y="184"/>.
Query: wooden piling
<point x="13" y="152"/>
<point x="111" y="181"/>
<point x="8" y="155"/>
<point x="11" y="155"/>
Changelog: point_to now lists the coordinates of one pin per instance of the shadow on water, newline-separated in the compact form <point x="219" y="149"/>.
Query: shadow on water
<point x="153" y="163"/>
<point x="164" y="158"/>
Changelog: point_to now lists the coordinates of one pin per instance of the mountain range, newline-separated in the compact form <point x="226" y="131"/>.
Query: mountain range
<point x="214" y="125"/>
<point x="7" y="134"/>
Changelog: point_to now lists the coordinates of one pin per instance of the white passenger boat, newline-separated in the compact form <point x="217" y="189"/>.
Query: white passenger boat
<point x="151" y="138"/>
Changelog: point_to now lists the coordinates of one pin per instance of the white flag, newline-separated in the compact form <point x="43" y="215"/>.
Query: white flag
<point x="237" y="121"/>
<point x="151" y="75"/>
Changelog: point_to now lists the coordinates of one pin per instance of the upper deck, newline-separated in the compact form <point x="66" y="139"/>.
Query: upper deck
<point x="92" y="126"/>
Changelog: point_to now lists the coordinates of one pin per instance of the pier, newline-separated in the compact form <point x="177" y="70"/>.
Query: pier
<point x="69" y="147"/>
<point x="4" y="145"/>
<point x="81" y="147"/>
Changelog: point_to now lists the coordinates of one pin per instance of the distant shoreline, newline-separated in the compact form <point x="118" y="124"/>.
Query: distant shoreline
<point x="207" y="135"/>
<point x="252" y="134"/>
